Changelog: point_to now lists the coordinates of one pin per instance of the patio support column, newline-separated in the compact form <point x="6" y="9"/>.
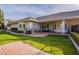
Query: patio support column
<point x="22" y="27"/>
<point x="63" y="26"/>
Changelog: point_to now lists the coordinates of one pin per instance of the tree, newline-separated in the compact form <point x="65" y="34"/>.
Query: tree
<point x="1" y="20"/>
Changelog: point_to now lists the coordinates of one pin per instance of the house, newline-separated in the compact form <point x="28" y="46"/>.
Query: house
<point x="60" y="22"/>
<point x="6" y="23"/>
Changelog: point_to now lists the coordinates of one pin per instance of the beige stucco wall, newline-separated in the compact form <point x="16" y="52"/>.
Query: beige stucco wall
<point x="14" y="25"/>
<point x="28" y="24"/>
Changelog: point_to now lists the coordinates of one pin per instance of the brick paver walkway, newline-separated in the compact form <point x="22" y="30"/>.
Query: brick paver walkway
<point x="19" y="48"/>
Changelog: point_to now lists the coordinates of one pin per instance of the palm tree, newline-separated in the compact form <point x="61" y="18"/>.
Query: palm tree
<point x="1" y="20"/>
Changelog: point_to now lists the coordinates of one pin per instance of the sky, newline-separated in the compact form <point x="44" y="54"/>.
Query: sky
<point x="19" y="11"/>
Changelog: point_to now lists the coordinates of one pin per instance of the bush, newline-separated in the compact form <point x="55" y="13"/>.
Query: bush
<point x="16" y="30"/>
<point x="28" y="32"/>
<point x="13" y="29"/>
<point x="19" y="31"/>
<point x="75" y="36"/>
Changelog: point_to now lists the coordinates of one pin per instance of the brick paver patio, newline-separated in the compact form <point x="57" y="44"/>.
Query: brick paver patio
<point x="19" y="48"/>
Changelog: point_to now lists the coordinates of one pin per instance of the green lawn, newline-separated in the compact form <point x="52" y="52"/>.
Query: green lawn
<point x="53" y="44"/>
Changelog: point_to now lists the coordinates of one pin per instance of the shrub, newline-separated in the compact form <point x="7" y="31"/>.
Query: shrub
<point x="28" y="32"/>
<point x="13" y="29"/>
<point x="16" y="30"/>
<point x="75" y="36"/>
<point x="19" y="31"/>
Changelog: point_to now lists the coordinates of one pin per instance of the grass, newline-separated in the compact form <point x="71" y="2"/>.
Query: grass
<point x="53" y="44"/>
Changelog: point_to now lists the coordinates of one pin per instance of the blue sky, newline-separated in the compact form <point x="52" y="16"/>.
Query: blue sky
<point x="19" y="11"/>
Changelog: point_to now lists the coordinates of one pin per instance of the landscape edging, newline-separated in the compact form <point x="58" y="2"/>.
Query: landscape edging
<point x="73" y="41"/>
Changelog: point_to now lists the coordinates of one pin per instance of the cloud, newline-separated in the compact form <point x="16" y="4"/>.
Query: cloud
<point x="19" y="11"/>
<point x="63" y="8"/>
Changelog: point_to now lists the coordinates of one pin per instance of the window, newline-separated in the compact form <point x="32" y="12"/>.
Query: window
<point x="20" y="25"/>
<point x="24" y="26"/>
<point x="44" y="27"/>
<point x="65" y="26"/>
<point x="55" y="27"/>
<point x="47" y="25"/>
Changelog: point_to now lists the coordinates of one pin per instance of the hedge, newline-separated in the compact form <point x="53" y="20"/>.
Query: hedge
<point x="75" y="36"/>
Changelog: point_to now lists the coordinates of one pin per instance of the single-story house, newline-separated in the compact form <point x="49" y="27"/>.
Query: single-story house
<point x="60" y="22"/>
